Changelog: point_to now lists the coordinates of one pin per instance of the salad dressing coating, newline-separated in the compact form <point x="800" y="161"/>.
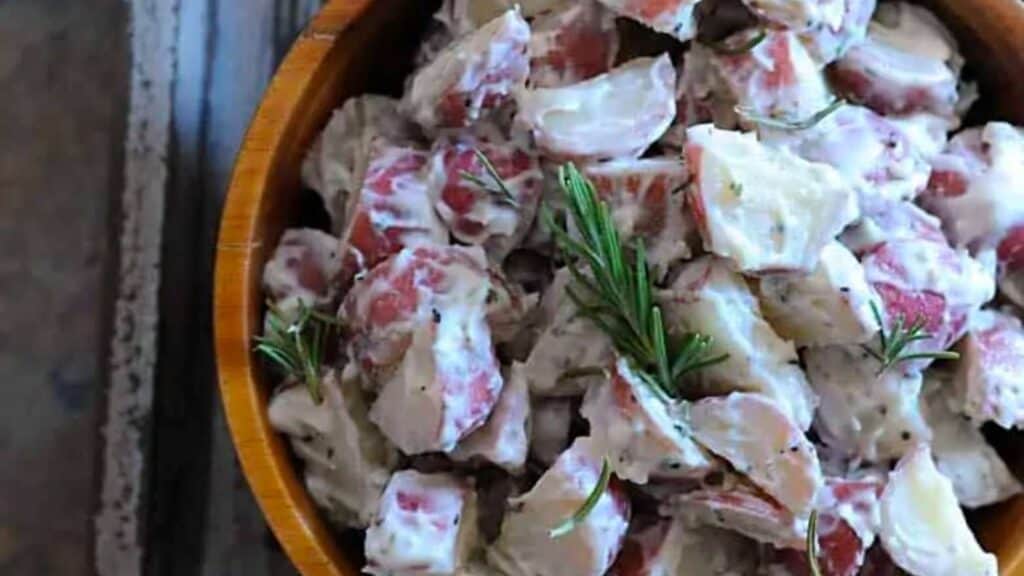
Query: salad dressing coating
<point x="731" y="306"/>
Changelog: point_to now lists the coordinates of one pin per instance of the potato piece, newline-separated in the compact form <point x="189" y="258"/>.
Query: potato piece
<point x="303" y="270"/>
<point x="923" y="528"/>
<point x="392" y="210"/>
<point x="710" y="298"/>
<point x="464" y="16"/>
<point x="908" y="63"/>
<point x="979" y="475"/>
<point x="863" y="414"/>
<point x="426" y="525"/>
<point x="977" y="185"/>
<point x="672" y="17"/>
<point x="573" y="43"/>
<point x="640" y="431"/>
<point x="476" y="215"/>
<point x="526" y="547"/>
<point x="618" y="114"/>
<point x="336" y="163"/>
<point x="418" y="329"/>
<point x="502" y="440"/>
<point x="831" y="305"/>
<point x="742" y="213"/>
<point x="675" y="548"/>
<point x="474" y="75"/>
<point x="1010" y="254"/>
<point x="742" y="510"/>
<point x="646" y="199"/>
<point x="550" y="419"/>
<point x="871" y="153"/>
<point x="760" y="441"/>
<point x="828" y="41"/>
<point x="799" y="14"/>
<point x="347" y="462"/>
<point x="991" y="362"/>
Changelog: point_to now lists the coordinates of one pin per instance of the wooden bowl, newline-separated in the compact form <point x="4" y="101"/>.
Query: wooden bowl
<point x="356" y="46"/>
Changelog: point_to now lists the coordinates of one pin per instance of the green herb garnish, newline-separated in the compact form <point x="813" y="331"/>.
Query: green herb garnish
<point x="812" y="544"/>
<point x="893" y="343"/>
<point x="588" y="505"/>
<point x="495" y="186"/>
<point x="616" y="294"/>
<point x="297" y="346"/>
<point x="790" y="124"/>
<point x="726" y="48"/>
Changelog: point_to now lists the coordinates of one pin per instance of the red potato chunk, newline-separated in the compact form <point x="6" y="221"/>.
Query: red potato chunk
<point x="908" y="63"/>
<point x="734" y="200"/>
<point x="760" y="441"/>
<point x="709" y="297"/>
<point x="988" y="376"/>
<point x="614" y="115"/>
<point x="485" y="216"/>
<point x="1010" y="254"/>
<point x="550" y="419"/>
<point x="672" y="547"/>
<point x="526" y="546"/>
<point x="871" y="153"/>
<point x="426" y="525"/>
<point x="743" y="510"/>
<point x="418" y="328"/>
<point x="830" y="39"/>
<point x="777" y="78"/>
<point x="923" y="528"/>
<point x="799" y="14"/>
<point x="639" y="430"/>
<point x="864" y="415"/>
<point x="303" y="270"/>
<point x="474" y="75"/>
<point x="503" y="439"/>
<point x="575" y="42"/>
<point x="646" y="200"/>
<point x="673" y="17"/>
<point x="464" y="16"/>
<point x="392" y="210"/>
<point x="977" y="186"/>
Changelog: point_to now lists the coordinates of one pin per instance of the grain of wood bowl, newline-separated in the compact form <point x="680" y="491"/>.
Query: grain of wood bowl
<point x="358" y="46"/>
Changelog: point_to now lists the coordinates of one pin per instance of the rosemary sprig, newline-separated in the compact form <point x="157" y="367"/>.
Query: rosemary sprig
<point x="726" y="48"/>
<point x="588" y="505"/>
<point x="297" y="346"/>
<point x="616" y="294"/>
<point x="812" y="544"/>
<point x="893" y="343"/>
<point x="791" y="124"/>
<point x="496" y="186"/>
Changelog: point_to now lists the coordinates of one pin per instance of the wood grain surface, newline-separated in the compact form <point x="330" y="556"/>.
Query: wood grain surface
<point x="366" y="45"/>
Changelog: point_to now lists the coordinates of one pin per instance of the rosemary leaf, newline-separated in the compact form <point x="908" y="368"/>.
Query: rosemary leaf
<point x="894" y="341"/>
<point x="297" y="347"/>
<point x="812" y="544"/>
<point x="588" y="505"/>
<point x="791" y="124"/>
<point x="496" y="186"/>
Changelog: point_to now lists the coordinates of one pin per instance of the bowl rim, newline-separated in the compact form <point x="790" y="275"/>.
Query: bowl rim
<point x="279" y="492"/>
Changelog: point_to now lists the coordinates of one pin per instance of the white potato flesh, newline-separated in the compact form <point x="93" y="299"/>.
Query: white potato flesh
<point x="828" y="41"/>
<point x="760" y="441"/>
<point x="767" y="210"/>
<point x="831" y="305"/>
<point x="618" y="114"/>
<point x="463" y="16"/>
<point x="977" y="186"/>
<point x="988" y="378"/>
<point x="678" y="548"/>
<point x="303" y="270"/>
<point x="549" y="428"/>
<point x="863" y="414"/>
<point x="673" y="17"/>
<point x="979" y="475"/>
<point x="776" y="79"/>
<point x="347" y="462"/>
<point x="474" y="75"/>
<point x="923" y="528"/>
<point x="426" y="525"/>
<point x="503" y="439"/>
<point x="640" y="431"/>
<point x="526" y="547"/>
<point x="575" y="42"/>
<point x="710" y="298"/>
<point x="569" y="346"/>
<point x="743" y="510"/>
<point x="647" y="201"/>
<point x="336" y="162"/>
<point x="799" y="14"/>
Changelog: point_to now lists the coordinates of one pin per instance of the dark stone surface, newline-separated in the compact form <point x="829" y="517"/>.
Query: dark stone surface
<point x="63" y="96"/>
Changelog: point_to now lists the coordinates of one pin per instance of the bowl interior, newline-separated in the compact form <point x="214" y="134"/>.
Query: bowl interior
<point x="358" y="46"/>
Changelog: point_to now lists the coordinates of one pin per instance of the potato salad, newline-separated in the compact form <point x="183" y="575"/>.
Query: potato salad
<point x="658" y="288"/>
